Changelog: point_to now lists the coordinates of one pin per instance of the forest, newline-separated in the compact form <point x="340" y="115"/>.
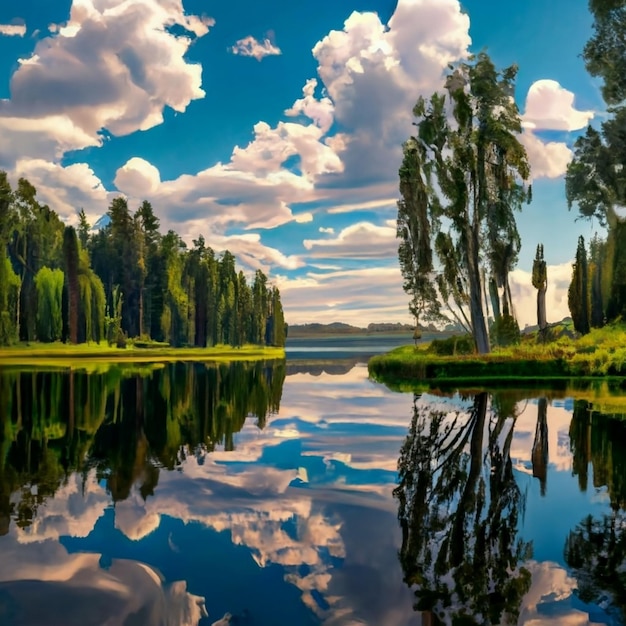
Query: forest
<point x="126" y="281"/>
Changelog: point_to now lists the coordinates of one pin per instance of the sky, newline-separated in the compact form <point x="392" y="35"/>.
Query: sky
<point x="274" y="128"/>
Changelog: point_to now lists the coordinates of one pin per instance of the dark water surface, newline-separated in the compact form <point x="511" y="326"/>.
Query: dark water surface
<point x="303" y="493"/>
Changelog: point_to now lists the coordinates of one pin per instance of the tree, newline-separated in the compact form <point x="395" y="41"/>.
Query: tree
<point x="578" y="292"/>
<point x="596" y="177"/>
<point x="49" y="284"/>
<point x="596" y="266"/>
<point x="461" y="181"/>
<point x="83" y="229"/>
<point x="72" y="285"/>
<point x="540" y="283"/>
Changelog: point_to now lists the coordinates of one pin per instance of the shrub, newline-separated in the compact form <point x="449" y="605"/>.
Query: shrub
<point x="457" y="344"/>
<point x="504" y="331"/>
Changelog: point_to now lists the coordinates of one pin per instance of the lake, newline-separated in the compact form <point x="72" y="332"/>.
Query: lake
<point x="296" y="493"/>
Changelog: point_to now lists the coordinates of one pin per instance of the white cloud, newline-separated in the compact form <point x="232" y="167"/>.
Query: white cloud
<point x="358" y="297"/>
<point x="250" y="47"/>
<point x="320" y="111"/>
<point x="525" y="295"/>
<point x="327" y="230"/>
<point x="547" y="159"/>
<point x="358" y="241"/>
<point x="66" y="189"/>
<point x="551" y="107"/>
<point x="13" y="30"/>
<point x="304" y="218"/>
<point x="366" y="205"/>
<point x="374" y="73"/>
<point x="111" y="66"/>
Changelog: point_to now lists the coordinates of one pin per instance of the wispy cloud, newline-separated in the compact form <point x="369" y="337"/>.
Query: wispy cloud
<point x="250" y="47"/>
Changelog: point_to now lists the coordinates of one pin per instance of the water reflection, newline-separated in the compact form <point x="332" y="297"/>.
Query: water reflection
<point x="468" y="542"/>
<point x="596" y="548"/>
<point x="458" y="505"/>
<point x="218" y="488"/>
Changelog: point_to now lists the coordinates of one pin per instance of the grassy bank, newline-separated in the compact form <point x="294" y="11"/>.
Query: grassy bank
<point x="59" y="354"/>
<point x="602" y="353"/>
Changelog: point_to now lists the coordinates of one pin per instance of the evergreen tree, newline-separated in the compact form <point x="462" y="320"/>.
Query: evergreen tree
<point x="72" y="285"/>
<point x="83" y="229"/>
<point x="578" y="293"/>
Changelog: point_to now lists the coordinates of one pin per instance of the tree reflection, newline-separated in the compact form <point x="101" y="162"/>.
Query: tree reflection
<point x="124" y="422"/>
<point x="539" y="454"/>
<point x="596" y="548"/>
<point x="458" y="506"/>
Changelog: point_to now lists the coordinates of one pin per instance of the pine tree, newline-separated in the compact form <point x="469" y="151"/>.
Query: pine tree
<point x="578" y="293"/>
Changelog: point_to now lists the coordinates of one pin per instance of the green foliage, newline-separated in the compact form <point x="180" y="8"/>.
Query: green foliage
<point x="9" y="301"/>
<point x="504" y="331"/>
<point x="49" y="284"/>
<point x="452" y="345"/>
<point x="578" y="296"/>
<point x="145" y="284"/>
<point x="72" y="283"/>
<point x="600" y="353"/>
<point x="461" y="181"/>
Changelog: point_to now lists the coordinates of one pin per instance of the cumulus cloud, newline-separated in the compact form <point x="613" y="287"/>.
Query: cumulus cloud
<point x="547" y="159"/>
<point x="327" y="230"/>
<point x="551" y="107"/>
<point x="358" y="241"/>
<point x="525" y="295"/>
<point x="374" y="73"/>
<point x="251" y="47"/>
<point x="111" y="66"/>
<point x="66" y="189"/>
<point x="320" y="111"/>
<point x="13" y="30"/>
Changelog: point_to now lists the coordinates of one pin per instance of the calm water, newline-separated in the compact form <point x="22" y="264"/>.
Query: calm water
<point x="273" y="494"/>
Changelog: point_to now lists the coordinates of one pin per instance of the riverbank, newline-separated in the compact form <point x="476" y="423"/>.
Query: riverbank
<point x="601" y="353"/>
<point x="60" y="354"/>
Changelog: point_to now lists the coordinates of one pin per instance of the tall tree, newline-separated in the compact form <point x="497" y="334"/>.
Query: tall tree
<point x="597" y="254"/>
<point x="72" y="285"/>
<point x="9" y="281"/>
<point x="540" y="283"/>
<point x="578" y="293"/>
<point x="596" y="177"/>
<point x="461" y="181"/>
<point x="83" y="228"/>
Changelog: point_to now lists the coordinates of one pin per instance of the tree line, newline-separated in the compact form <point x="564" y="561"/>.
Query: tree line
<point x="464" y="177"/>
<point x="127" y="280"/>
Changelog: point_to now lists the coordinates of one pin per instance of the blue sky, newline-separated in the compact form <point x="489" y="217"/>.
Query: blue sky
<point x="274" y="128"/>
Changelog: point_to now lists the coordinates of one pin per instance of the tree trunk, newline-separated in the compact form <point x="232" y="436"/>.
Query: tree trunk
<point x="541" y="309"/>
<point x="477" y="316"/>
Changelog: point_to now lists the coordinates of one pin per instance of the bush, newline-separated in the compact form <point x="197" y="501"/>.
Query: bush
<point x="457" y="344"/>
<point x="504" y="331"/>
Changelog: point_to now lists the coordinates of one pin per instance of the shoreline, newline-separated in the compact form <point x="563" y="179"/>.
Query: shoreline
<point x="67" y="355"/>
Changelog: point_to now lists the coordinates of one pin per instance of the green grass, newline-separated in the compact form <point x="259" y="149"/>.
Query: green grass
<point x="66" y="355"/>
<point x="601" y="353"/>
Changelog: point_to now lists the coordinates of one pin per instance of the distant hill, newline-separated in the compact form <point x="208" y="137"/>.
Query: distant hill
<point x="339" y="328"/>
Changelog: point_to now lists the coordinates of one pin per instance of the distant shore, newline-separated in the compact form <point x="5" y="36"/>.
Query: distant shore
<point x="67" y="354"/>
